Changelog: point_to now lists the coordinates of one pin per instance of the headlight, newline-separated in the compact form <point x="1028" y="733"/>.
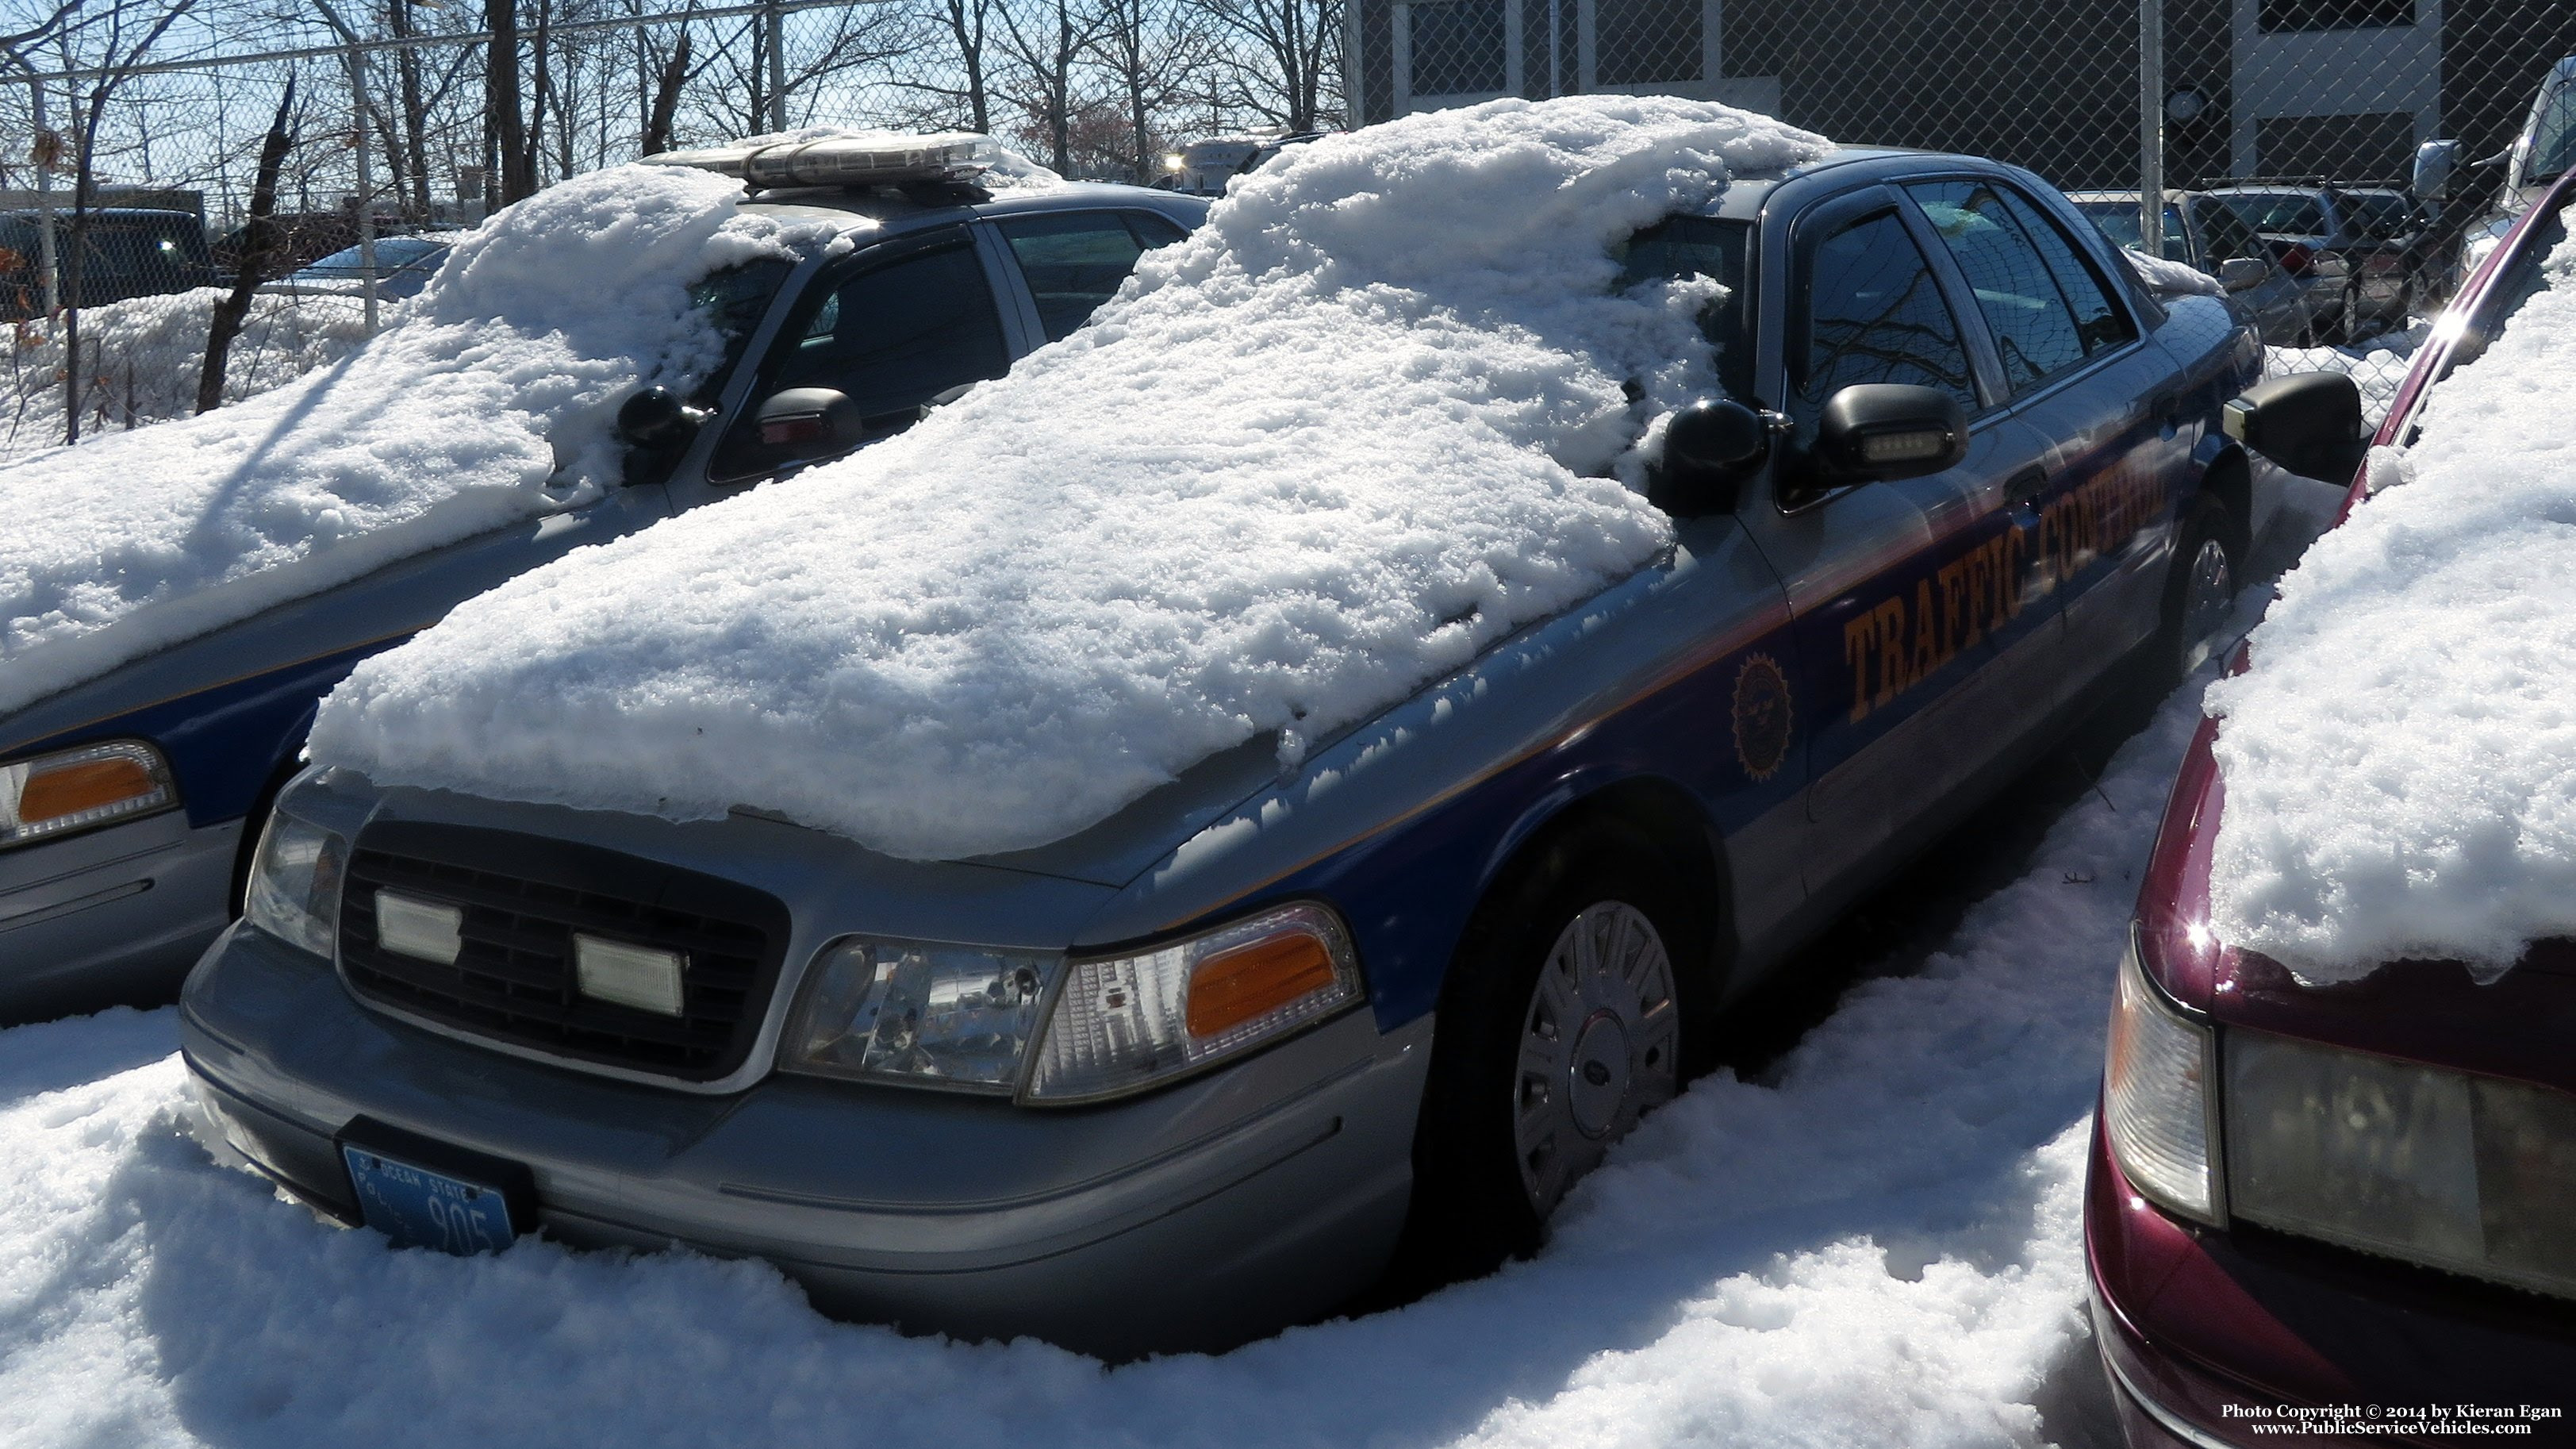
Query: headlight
<point x="2155" y="1095"/>
<point x="295" y="882"/>
<point x="1123" y="1023"/>
<point x="918" y="1011"/>
<point x="73" y="790"/>
<point x="2463" y="1172"/>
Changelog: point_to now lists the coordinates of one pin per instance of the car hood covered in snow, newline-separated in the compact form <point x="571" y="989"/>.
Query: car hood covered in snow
<point x="2401" y="760"/>
<point x="491" y="399"/>
<point x="1374" y="416"/>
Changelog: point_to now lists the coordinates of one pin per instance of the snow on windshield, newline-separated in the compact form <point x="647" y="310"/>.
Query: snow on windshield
<point x="2401" y="760"/>
<point x="1370" y="419"/>
<point x="491" y="399"/>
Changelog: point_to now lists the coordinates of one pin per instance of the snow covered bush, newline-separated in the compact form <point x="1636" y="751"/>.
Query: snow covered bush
<point x="141" y="357"/>
<point x="2401" y="760"/>
<point x="1371" y="418"/>
<point x="490" y="399"/>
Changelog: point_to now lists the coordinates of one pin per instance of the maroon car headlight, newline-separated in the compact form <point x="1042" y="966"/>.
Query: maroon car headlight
<point x="2155" y="1095"/>
<point x="2469" y="1173"/>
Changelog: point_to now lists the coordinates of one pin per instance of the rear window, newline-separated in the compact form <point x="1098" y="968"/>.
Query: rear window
<point x="2118" y="220"/>
<point x="2285" y="214"/>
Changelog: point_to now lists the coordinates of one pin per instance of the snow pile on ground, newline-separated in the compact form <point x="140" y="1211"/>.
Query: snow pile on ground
<point x="1878" y="1244"/>
<point x="140" y="359"/>
<point x="2378" y="366"/>
<point x="1359" y="427"/>
<point x="2401" y="761"/>
<point x="491" y="399"/>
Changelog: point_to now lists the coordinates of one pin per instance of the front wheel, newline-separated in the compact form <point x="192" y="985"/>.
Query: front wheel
<point x="1573" y="1009"/>
<point x="2200" y="593"/>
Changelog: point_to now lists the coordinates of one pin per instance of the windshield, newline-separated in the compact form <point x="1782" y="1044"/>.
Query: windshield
<point x="2380" y="214"/>
<point x="392" y="253"/>
<point x="2553" y="135"/>
<point x="734" y="299"/>
<point x="2280" y="214"/>
<point x="2118" y="220"/>
<point x="1698" y="246"/>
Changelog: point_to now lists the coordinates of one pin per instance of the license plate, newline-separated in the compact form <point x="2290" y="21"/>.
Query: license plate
<point x="419" y="1208"/>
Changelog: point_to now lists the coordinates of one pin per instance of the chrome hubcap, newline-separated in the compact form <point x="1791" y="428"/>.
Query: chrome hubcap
<point x="1598" y="1046"/>
<point x="2208" y="594"/>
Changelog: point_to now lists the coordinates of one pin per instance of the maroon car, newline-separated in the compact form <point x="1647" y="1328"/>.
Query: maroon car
<point x="2345" y="1211"/>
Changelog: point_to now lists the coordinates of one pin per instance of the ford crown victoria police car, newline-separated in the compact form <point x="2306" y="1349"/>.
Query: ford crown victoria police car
<point x="1194" y="1080"/>
<point x="127" y="804"/>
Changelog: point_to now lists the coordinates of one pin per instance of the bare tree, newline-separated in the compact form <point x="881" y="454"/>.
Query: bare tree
<point x="1286" y="58"/>
<point x="119" y="51"/>
<point x="258" y="257"/>
<point x="1152" y="51"/>
<point x="1047" y="42"/>
<point x="673" y="74"/>
<point x="509" y="166"/>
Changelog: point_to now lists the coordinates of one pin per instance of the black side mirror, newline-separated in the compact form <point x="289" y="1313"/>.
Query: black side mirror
<point x="1884" y="431"/>
<point x="2308" y="422"/>
<point x="806" y="423"/>
<point x="656" y="418"/>
<point x="1708" y="448"/>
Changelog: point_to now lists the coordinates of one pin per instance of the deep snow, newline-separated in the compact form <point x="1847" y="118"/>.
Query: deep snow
<point x="489" y="400"/>
<point x="1876" y="1245"/>
<point x="2401" y="759"/>
<point x="1368" y="420"/>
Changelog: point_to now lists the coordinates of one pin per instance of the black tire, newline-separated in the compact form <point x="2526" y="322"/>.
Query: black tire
<point x="2183" y="637"/>
<point x="1472" y="1207"/>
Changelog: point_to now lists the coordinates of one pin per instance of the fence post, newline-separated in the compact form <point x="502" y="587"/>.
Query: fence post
<point x="45" y="256"/>
<point x="366" y="186"/>
<point x="2151" y="127"/>
<point x="774" y="21"/>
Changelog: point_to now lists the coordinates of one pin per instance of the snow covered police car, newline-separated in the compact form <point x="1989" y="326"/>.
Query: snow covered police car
<point x="1107" y="873"/>
<point x="184" y="595"/>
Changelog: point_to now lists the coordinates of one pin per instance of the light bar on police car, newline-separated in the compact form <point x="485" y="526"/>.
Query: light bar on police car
<point x="865" y="160"/>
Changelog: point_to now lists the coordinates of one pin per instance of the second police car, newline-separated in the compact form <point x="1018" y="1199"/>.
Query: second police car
<point x="1966" y="465"/>
<point x="129" y="803"/>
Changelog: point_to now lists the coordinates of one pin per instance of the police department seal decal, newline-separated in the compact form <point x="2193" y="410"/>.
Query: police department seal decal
<point x="1761" y="716"/>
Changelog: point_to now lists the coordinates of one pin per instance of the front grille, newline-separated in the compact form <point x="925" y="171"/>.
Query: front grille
<point x="523" y="897"/>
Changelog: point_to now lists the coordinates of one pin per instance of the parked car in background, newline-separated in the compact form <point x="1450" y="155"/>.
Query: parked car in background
<point x="1959" y="466"/>
<point x="130" y="252"/>
<point x="302" y="237"/>
<point x="2354" y="1194"/>
<point x="158" y="774"/>
<point x="404" y="265"/>
<point x="1203" y="167"/>
<point x="2207" y="237"/>
<point x="2541" y="152"/>
<point x="2357" y="276"/>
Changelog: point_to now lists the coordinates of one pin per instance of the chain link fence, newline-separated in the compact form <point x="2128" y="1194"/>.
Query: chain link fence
<point x="130" y="144"/>
<point x="2287" y="131"/>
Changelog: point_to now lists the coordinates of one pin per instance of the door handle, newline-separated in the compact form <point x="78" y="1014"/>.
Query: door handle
<point x="2026" y="485"/>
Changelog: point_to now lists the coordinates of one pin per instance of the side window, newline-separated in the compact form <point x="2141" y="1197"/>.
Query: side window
<point x="1075" y="260"/>
<point x="2100" y="324"/>
<point x="889" y="337"/>
<point x="2036" y="332"/>
<point x="1874" y="314"/>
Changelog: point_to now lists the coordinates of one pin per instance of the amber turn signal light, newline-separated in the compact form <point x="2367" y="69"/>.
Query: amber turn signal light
<point x="1233" y="987"/>
<point x="51" y="794"/>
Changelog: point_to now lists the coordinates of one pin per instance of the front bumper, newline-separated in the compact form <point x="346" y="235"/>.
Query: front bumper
<point x="1196" y="1217"/>
<point x="111" y="914"/>
<point x="2219" y="1338"/>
